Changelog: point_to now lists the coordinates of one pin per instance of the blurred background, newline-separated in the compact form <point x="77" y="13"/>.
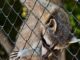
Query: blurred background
<point x="73" y="9"/>
<point x="12" y="12"/>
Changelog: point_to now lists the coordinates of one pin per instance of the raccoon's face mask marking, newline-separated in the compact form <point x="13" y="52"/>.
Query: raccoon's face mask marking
<point x="49" y="28"/>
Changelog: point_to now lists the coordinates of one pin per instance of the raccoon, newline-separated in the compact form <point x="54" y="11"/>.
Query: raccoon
<point x="49" y="31"/>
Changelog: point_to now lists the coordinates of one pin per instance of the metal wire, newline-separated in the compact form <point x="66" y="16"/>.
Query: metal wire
<point x="74" y="56"/>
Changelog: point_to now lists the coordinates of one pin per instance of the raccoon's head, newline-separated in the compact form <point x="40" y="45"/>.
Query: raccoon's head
<point x="57" y="28"/>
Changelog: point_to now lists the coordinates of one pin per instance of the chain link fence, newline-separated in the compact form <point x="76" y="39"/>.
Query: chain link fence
<point x="13" y="18"/>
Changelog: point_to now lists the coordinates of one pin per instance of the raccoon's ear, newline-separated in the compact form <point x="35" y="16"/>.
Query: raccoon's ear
<point x="52" y="24"/>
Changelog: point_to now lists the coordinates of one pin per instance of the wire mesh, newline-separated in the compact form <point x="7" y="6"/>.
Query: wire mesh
<point x="12" y="23"/>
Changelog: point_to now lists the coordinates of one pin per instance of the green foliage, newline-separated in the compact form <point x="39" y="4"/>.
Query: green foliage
<point x="74" y="14"/>
<point x="24" y="12"/>
<point x="74" y="8"/>
<point x="78" y="17"/>
<point x="72" y="22"/>
<point x="77" y="32"/>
